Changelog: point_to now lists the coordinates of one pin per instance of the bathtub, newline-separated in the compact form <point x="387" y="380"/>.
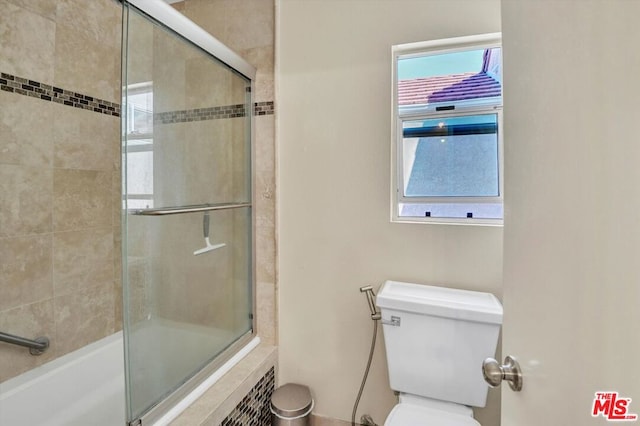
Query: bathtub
<point x="77" y="389"/>
<point x="86" y="387"/>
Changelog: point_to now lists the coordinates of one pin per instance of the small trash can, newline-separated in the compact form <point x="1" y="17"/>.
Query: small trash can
<point x="291" y="405"/>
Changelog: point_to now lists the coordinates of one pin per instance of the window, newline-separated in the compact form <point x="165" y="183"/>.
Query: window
<point x="139" y="146"/>
<point x="447" y="131"/>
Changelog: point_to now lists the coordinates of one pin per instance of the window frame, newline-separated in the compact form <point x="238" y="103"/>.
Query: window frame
<point x="131" y="135"/>
<point x="463" y="108"/>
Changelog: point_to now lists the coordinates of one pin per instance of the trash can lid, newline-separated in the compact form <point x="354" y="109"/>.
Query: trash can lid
<point x="291" y="400"/>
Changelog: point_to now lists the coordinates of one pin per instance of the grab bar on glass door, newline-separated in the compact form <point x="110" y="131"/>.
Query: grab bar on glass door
<point x="36" y="347"/>
<point x="188" y="209"/>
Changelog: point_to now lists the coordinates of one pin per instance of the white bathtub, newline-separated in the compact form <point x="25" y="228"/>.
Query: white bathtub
<point x="85" y="387"/>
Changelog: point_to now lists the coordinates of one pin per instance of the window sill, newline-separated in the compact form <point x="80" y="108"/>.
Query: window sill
<point x="499" y="223"/>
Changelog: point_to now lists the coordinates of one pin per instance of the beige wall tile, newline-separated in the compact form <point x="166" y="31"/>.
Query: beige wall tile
<point x="84" y="316"/>
<point x="85" y="39"/>
<point x="262" y="58"/>
<point x="194" y="294"/>
<point x="30" y="321"/>
<point x="25" y="197"/>
<point x="117" y="250"/>
<point x="27" y="41"/>
<point x="138" y="236"/>
<point x="82" y="199"/>
<point x="25" y="270"/>
<point x="193" y="163"/>
<point x="265" y="200"/>
<point x="138" y="289"/>
<point x="116" y="200"/>
<point x="82" y="259"/>
<point x="247" y="27"/>
<point x="265" y="188"/>
<point x="209" y="84"/>
<point x="249" y="24"/>
<point x="265" y="156"/>
<point x="98" y="20"/>
<point x="84" y="139"/>
<point x="87" y="48"/>
<point x="265" y="203"/>
<point x="118" y="307"/>
<point x="45" y="8"/>
<point x="85" y="65"/>
<point x="179" y="6"/>
<point x="140" y="53"/>
<point x="195" y="289"/>
<point x="117" y="279"/>
<point x="265" y="254"/>
<point x="25" y="130"/>
<point x="168" y="76"/>
<point x="210" y="15"/>
<point x="266" y="312"/>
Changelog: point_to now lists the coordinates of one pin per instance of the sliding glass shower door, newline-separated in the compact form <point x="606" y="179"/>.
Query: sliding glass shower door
<point x="187" y="245"/>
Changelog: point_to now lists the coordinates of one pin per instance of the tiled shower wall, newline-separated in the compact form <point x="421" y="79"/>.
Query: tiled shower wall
<point x="248" y="28"/>
<point x="59" y="175"/>
<point x="60" y="168"/>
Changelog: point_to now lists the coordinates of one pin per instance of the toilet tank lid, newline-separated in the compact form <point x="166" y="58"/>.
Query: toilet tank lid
<point x="440" y="301"/>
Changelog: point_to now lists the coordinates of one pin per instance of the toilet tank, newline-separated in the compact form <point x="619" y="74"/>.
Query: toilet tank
<point x="436" y="339"/>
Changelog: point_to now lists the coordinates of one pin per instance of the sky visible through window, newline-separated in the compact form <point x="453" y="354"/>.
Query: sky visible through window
<point x="444" y="64"/>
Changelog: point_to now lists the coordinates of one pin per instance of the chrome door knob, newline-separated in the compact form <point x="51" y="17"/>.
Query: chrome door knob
<point x="494" y="373"/>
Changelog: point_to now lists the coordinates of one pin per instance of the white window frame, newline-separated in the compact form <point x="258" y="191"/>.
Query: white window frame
<point x="130" y="135"/>
<point x="463" y="108"/>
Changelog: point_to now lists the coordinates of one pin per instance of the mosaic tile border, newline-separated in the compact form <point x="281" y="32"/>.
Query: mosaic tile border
<point x="264" y="108"/>
<point x="254" y="409"/>
<point x="199" y="114"/>
<point x="212" y="113"/>
<point x="46" y="92"/>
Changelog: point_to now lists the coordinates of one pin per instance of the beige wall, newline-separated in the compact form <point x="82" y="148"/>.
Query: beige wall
<point x="59" y="179"/>
<point x="334" y="120"/>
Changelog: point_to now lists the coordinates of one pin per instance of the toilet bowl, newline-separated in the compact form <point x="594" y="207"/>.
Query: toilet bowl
<point x="436" y="339"/>
<point x="417" y="411"/>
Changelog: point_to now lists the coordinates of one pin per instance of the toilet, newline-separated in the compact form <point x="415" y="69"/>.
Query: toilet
<point x="436" y="340"/>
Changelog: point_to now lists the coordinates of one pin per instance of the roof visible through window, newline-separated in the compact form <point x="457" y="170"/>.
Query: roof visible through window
<point x="449" y="78"/>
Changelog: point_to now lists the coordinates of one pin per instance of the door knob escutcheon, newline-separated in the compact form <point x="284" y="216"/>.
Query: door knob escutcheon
<point x="494" y="373"/>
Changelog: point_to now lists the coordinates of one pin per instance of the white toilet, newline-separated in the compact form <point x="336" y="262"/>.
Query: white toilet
<point x="436" y="339"/>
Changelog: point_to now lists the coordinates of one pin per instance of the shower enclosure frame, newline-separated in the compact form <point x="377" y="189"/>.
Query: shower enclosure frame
<point x="186" y="29"/>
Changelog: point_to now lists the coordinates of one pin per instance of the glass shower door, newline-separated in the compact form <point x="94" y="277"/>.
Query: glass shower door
<point x="187" y="245"/>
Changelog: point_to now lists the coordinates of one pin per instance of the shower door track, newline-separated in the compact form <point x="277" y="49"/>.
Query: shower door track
<point x="164" y="13"/>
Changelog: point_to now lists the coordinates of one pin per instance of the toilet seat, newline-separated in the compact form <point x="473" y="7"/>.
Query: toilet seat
<point x="405" y="414"/>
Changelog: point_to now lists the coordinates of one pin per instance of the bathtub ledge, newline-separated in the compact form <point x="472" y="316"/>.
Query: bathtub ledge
<point x="221" y="398"/>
